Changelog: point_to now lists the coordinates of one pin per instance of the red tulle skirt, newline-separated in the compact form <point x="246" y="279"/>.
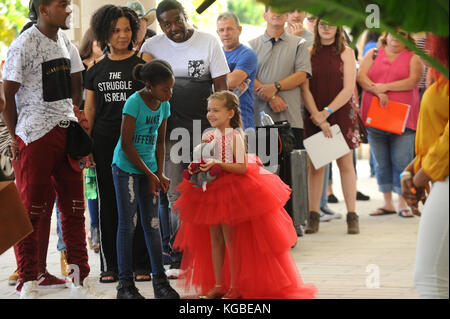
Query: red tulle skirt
<point x="261" y="233"/>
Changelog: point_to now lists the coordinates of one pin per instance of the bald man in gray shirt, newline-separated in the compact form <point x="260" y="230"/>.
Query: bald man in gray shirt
<point x="283" y="64"/>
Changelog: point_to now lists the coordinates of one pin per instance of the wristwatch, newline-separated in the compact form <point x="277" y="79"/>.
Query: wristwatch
<point x="278" y="86"/>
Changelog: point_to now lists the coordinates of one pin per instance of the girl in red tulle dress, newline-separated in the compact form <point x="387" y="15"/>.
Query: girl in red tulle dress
<point x="235" y="235"/>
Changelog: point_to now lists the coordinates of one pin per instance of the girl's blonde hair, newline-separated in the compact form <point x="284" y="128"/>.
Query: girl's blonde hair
<point x="231" y="102"/>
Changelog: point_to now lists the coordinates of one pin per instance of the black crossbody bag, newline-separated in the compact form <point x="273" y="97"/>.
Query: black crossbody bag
<point x="79" y="143"/>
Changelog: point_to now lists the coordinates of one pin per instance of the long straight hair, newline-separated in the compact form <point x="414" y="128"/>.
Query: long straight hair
<point x="339" y="40"/>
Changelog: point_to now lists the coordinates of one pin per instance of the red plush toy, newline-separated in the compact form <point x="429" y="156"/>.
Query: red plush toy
<point x="199" y="178"/>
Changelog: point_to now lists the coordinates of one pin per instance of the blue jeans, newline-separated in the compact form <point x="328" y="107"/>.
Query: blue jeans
<point x="392" y="154"/>
<point x="132" y="190"/>
<point x="326" y="176"/>
<point x="164" y="220"/>
<point x="93" y="210"/>
<point x="373" y="164"/>
<point x="174" y="171"/>
<point x="60" y="245"/>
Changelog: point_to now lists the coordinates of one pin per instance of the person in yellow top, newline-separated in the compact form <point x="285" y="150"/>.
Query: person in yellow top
<point x="431" y="275"/>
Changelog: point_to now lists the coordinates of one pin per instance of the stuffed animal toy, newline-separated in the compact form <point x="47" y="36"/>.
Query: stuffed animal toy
<point x="201" y="153"/>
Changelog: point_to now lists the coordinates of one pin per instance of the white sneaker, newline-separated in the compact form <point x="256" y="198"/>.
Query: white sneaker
<point x="325" y="217"/>
<point x="82" y="291"/>
<point x="326" y="210"/>
<point x="29" y="290"/>
<point x="173" y="273"/>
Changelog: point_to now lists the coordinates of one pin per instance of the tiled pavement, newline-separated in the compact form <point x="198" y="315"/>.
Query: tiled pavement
<point x="376" y="264"/>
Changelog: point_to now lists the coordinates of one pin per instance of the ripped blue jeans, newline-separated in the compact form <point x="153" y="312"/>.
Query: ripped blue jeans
<point x="132" y="192"/>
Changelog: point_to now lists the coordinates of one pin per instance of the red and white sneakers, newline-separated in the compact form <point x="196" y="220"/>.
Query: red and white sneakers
<point x="28" y="290"/>
<point x="48" y="281"/>
<point x="44" y="281"/>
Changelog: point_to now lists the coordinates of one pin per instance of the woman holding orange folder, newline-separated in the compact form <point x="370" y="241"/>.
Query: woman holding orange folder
<point x="391" y="72"/>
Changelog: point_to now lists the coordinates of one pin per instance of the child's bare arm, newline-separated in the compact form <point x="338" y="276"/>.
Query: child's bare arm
<point x="127" y="133"/>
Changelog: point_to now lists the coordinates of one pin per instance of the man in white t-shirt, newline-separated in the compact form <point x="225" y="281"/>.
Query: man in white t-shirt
<point x="199" y="65"/>
<point x="38" y="94"/>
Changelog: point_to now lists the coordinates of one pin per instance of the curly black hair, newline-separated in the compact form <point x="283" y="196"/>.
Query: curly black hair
<point x="104" y="20"/>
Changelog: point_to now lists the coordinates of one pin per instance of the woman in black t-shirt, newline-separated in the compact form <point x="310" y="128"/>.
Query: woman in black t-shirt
<point x="109" y="83"/>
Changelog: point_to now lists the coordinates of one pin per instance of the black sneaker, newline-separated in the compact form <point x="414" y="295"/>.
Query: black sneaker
<point x="162" y="288"/>
<point x="332" y="199"/>
<point x="361" y="196"/>
<point x="127" y="290"/>
<point x="299" y="230"/>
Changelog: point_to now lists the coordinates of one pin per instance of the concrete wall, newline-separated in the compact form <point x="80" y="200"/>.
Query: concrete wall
<point x="83" y="10"/>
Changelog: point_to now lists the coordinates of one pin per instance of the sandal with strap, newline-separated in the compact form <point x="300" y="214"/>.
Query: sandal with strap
<point x="215" y="293"/>
<point x="382" y="211"/>
<point x="108" y="277"/>
<point x="233" y="293"/>
<point x="405" y="213"/>
<point x="142" y="277"/>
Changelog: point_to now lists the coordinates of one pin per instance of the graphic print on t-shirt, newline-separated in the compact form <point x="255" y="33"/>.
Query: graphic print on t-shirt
<point x="56" y="80"/>
<point x="196" y="68"/>
<point x="150" y="139"/>
<point x="114" y="90"/>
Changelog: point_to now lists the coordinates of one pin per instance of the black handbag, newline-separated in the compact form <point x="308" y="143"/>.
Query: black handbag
<point x="79" y="143"/>
<point x="362" y="131"/>
<point x="286" y="138"/>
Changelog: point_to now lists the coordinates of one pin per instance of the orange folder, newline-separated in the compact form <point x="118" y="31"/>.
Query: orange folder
<point x="391" y="118"/>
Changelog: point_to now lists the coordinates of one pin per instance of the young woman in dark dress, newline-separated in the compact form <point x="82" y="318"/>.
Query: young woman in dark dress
<point x="328" y="97"/>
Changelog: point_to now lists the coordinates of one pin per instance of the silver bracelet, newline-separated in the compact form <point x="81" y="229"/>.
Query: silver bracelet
<point x="405" y="173"/>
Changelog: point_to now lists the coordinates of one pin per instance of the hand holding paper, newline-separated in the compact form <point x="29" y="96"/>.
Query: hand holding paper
<point x="323" y="150"/>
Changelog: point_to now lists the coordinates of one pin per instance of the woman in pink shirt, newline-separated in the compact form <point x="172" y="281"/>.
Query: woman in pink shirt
<point x="391" y="73"/>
